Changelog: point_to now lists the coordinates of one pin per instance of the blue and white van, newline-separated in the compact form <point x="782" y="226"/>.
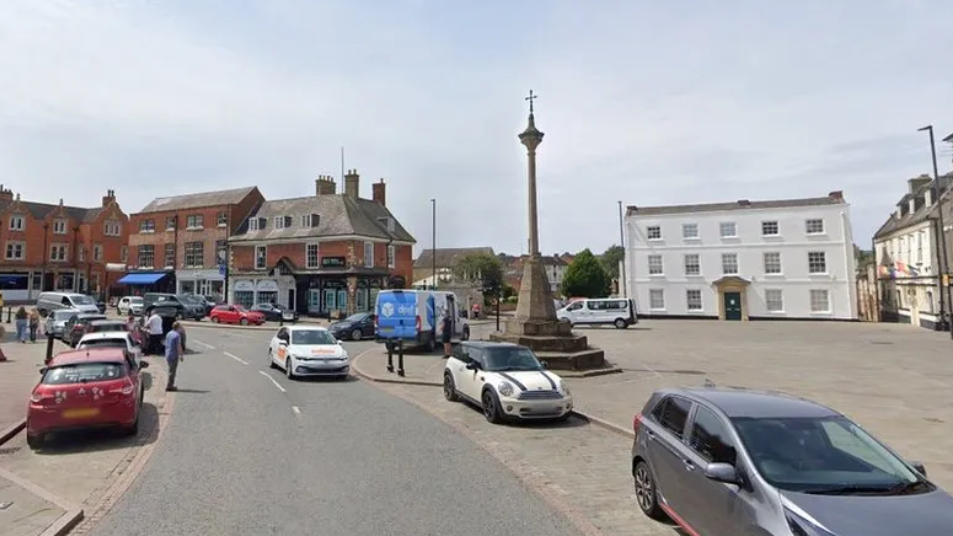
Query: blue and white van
<point x="414" y="317"/>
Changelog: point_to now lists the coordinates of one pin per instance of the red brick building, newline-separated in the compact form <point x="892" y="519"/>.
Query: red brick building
<point x="60" y="247"/>
<point x="327" y="254"/>
<point x="178" y="244"/>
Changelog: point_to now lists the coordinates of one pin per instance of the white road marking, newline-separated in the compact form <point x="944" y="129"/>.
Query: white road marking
<point x="236" y="358"/>
<point x="272" y="380"/>
<point x="296" y="409"/>
<point x="209" y="346"/>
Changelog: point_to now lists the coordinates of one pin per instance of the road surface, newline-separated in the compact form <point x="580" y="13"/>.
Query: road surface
<point x="250" y="452"/>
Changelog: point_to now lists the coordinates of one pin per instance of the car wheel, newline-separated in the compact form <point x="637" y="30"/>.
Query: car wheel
<point x="271" y="359"/>
<point x="34" y="441"/>
<point x="620" y="323"/>
<point x="449" y="388"/>
<point x="431" y="345"/>
<point x="491" y="407"/>
<point x="357" y="334"/>
<point x="215" y="320"/>
<point x="244" y="322"/>
<point x="289" y="372"/>
<point x="646" y="493"/>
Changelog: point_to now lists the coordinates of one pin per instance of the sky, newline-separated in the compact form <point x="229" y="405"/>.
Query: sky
<point x="648" y="103"/>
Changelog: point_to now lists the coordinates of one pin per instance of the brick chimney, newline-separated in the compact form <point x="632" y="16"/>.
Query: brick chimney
<point x="928" y="197"/>
<point x="109" y="198"/>
<point x="837" y="195"/>
<point x="325" y="185"/>
<point x="380" y="193"/>
<point x="5" y="194"/>
<point x="352" y="184"/>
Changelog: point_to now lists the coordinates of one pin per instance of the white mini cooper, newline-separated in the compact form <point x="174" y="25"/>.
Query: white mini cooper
<point x="308" y="351"/>
<point x="506" y="381"/>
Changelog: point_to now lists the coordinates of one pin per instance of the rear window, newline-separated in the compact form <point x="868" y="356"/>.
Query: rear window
<point x="104" y="343"/>
<point x="117" y="326"/>
<point x="82" y="373"/>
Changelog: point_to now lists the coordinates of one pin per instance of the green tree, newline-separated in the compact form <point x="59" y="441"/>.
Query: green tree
<point x="585" y="277"/>
<point x="611" y="259"/>
<point x="481" y="269"/>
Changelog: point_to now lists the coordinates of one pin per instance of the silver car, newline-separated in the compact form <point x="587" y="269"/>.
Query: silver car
<point x="56" y="321"/>
<point x="723" y="462"/>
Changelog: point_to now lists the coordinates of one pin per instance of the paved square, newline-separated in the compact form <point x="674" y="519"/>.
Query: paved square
<point x="894" y="380"/>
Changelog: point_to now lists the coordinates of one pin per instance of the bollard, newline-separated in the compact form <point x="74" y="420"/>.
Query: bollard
<point x="499" y="298"/>
<point x="400" y="358"/>
<point x="390" y="357"/>
<point x="49" y="348"/>
<point x="281" y="319"/>
<point x="9" y="314"/>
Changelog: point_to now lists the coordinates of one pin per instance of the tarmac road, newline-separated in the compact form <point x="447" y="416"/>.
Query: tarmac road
<point x="249" y="452"/>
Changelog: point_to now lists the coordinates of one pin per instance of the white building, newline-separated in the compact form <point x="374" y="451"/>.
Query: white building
<point x="748" y="259"/>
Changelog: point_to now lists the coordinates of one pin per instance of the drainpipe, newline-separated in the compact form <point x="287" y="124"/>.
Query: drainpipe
<point x="228" y="256"/>
<point x="175" y="251"/>
<point x="76" y="258"/>
<point x="937" y="237"/>
<point x="46" y="255"/>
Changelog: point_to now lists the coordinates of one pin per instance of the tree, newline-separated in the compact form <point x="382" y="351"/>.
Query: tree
<point x="481" y="269"/>
<point x="585" y="277"/>
<point x="611" y="259"/>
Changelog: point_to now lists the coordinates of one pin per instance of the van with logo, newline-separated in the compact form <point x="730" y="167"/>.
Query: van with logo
<point x="48" y="302"/>
<point x="619" y="312"/>
<point x="414" y="317"/>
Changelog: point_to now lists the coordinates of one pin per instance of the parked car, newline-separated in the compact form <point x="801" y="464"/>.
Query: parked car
<point x="117" y="339"/>
<point x="134" y="305"/>
<point x="308" y="351"/>
<point x="275" y="311"/>
<point x="99" y="326"/>
<point x="76" y="326"/>
<point x="236" y="314"/>
<point x="56" y="321"/>
<point x="185" y="307"/>
<point x="354" y="327"/>
<point x="198" y="305"/>
<point x="47" y="302"/>
<point x="724" y="462"/>
<point x="507" y="381"/>
<point x="91" y="388"/>
<point x="619" y="312"/>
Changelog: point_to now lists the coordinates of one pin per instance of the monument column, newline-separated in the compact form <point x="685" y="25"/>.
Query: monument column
<point x="531" y="138"/>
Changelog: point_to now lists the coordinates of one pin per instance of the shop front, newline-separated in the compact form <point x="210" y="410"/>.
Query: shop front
<point x="251" y="291"/>
<point x="200" y="282"/>
<point x="340" y="295"/>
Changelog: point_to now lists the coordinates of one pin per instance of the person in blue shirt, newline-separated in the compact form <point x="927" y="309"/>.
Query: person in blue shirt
<point x="173" y="354"/>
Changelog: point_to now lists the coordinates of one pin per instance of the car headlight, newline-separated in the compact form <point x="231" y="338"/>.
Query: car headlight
<point x="564" y="388"/>
<point x="506" y="389"/>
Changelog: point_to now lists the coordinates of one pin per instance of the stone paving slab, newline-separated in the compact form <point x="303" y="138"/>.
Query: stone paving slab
<point x="18" y="376"/>
<point x="27" y="514"/>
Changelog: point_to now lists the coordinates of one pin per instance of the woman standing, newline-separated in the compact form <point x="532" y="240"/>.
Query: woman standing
<point x="21" y="324"/>
<point x="34" y="324"/>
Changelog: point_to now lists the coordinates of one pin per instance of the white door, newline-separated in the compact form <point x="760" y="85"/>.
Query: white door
<point x="575" y="312"/>
<point x="470" y="383"/>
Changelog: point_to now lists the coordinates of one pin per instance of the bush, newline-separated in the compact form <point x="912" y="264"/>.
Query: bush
<point x="585" y="277"/>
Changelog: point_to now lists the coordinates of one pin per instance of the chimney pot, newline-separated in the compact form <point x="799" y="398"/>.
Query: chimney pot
<point x="836" y="194"/>
<point x="352" y="184"/>
<point x="379" y="193"/>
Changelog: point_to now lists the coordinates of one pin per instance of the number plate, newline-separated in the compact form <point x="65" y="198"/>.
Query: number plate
<point x="80" y="413"/>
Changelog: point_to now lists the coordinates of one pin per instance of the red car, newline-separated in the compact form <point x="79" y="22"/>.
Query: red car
<point x="82" y="389"/>
<point x="236" y="314"/>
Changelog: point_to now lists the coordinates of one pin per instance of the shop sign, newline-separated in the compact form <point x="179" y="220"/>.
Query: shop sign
<point x="333" y="262"/>
<point x="267" y="285"/>
<point x="244" y="285"/>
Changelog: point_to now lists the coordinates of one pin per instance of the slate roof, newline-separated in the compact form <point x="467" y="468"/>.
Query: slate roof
<point x="199" y="200"/>
<point x="922" y="213"/>
<point x="948" y="138"/>
<point x="40" y="211"/>
<point x="340" y="215"/>
<point x="448" y="257"/>
<point x="834" y="198"/>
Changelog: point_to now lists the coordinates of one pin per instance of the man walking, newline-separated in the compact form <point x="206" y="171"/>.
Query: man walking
<point x="173" y="354"/>
<point x="154" y="325"/>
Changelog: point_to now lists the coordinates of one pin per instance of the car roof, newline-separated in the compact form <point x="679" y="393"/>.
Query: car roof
<point x="307" y="328"/>
<point x="756" y="404"/>
<point x="72" y="357"/>
<point x="492" y="344"/>
<point x="105" y="335"/>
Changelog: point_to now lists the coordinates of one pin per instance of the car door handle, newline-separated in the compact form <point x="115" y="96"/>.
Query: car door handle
<point x="650" y="434"/>
<point x="689" y="465"/>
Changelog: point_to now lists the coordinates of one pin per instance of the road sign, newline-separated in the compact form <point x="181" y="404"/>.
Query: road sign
<point x="221" y="269"/>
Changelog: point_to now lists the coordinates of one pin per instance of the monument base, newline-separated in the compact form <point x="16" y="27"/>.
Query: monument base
<point x="555" y="343"/>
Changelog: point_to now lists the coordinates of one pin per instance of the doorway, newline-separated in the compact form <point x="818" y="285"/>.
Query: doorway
<point x="733" y="306"/>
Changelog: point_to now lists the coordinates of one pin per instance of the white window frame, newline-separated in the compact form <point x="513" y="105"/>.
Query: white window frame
<point x="81" y="253"/>
<point x="656" y="266"/>
<point x="195" y="222"/>
<point x="770" y="225"/>
<point x="724" y="226"/>
<point x="768" y="260"/>
<point x="727" y="261"/>
<point x="690" y="300"/>
<point x="139" y="256"/>
<point x="253" y="224"/>
<point x="697" y="264"/>
<point x="17" y="223"/>
<point x="279" y="222"/>
<point x="774" y="300"/>
<point x="653" y="232"/>
<point x="656" y="299"/>
<point x="816" y="262"/>
<point x="391" y="256"/>
<point x="814" y="226"/>
<point x="97" y="252"/>
<point x="112" y="228"/>
<point x="261" y="257"/>
<point x="190" y="259"/>
<point x="170" y="223"/>
<point x="221" y="220"/>
<point x="317" y="255"/>
<point x="169" y="253"/>
<point x="816" y="303"/>
<point x="147" y="226"/>
<point x="59" y="252"/>
<point x="368" y="259"/>
<point x="686" y="235"/>
<point x="12" y="253"/>
<point x="60" y="226"/>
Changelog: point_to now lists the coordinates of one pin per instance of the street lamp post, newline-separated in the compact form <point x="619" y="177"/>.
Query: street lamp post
<point x="622" y="285"/>
<point x="943" y="265"/>
<point x="433" y="243"/>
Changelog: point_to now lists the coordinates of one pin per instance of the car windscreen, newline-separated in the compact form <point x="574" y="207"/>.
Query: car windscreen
<point x="83" y="300"/>
<point x="312" y="336"/>
<point x="137" y="301"/>
<point x="82" y="373"/>
<point x="829" y="455"/>
<point x="513" y="358"/>
<point x="356" y="318"/>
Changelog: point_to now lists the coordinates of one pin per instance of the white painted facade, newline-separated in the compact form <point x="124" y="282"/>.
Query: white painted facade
<point x="770" y="247"/>
<point x="912" y="292"/>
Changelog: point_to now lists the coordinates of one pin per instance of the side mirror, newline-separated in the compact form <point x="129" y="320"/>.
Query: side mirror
<point x="544" y="364"/>
<point x="919" y="467"/>
<point x="282" y="342"/>
<point x="42" y="371"/>
<point x="722" y="472"/>
<point x="143" y="364"/>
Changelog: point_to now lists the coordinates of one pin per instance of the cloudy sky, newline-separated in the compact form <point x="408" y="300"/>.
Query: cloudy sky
<point x="645" y="102"/>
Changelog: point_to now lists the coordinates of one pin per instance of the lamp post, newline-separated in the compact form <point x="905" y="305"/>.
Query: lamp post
<point x="943" y="264"/>
<point x="433" y="243"/>
<point x="46" y="255"/>
<point x="622" y="285"/>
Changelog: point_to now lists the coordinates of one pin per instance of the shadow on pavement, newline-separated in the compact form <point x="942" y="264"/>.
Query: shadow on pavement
<point x="102" y="439"/>
<point x="326" y="379"/>
<point x="192" y="391"/>
<point x="541" y="424"/>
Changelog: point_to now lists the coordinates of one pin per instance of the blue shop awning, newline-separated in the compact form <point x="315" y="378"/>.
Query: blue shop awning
<point x="141" y="279"/>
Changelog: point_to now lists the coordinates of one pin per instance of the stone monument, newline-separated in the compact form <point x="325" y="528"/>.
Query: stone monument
<point x="535" y="324"/>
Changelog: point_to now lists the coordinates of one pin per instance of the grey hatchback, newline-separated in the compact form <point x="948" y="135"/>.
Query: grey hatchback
<point x="727" y="462"/>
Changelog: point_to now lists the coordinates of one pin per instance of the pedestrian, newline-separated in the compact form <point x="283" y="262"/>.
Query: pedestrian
<point x="132" y="326"/>
<point x="154" y="326"/>
<point x="21" y="322"/>
<point x="447" y="335"/>
<point x="34" y="322"/>
<point x="173" y="354"/>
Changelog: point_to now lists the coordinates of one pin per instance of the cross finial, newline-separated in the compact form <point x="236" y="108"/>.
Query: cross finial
<point x="531" y="98"/>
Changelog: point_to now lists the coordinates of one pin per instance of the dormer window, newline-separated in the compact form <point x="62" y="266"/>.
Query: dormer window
<point x="59" y="227"/>
<point x="257" y="224"/>
<point x="17" y="223"/>
<point x="387" y="223"/>
<point x="310" y="220"/>
<point x="282" y="222"/>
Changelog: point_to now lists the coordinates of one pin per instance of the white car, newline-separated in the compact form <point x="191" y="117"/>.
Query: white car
<point x="130" y="305"/>
<point x="308" y="351"/>
<point x="506" y="381"/>
<point x="121" y="339"/>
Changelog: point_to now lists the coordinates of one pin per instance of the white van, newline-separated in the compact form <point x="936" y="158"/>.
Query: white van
<point x="619" y="312"/>
<point x="54" y="301"/>
<point x="414" y="316"/>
